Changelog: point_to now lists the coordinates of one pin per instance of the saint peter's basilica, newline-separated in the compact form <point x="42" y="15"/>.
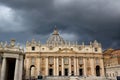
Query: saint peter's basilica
<point x="58" y="59"/>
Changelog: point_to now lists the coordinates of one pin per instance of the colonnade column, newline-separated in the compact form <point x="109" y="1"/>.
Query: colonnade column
<point x="92" y="62"/>
<point x="46" y="66"/>
<point x="62" y="66"/>
<point x="57" y="66"/>
<point x="75" y="66"/>
<point x="16" y="69"/>
<point x="69" y="66"/>
<point x="3" y="69"/>
<point x="84" y="62"/>
<point x="21" y="68"/>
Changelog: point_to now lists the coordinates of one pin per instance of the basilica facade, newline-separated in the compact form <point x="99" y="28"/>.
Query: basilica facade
<point x="58" y="57"/>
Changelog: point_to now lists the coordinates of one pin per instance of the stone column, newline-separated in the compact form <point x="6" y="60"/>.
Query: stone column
<point x="21" y="68"/>
<point x="75" y="66"/>
<point x="57" y="67"/>
<point x="39" y="65"/>
<point x="16" y="69"/>
<point x="62" y="66"/>
<point x="46" y="66"/>
<point x="54" y="69"/>
<point x="84" y="63"/>
<point x="3" y="69"/>
<point x="92" y="62"/>
<point x="102" y="67"/>
<point x="69" y="66"/>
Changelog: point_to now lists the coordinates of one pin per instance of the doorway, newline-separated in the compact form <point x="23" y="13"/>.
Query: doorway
<point x="80" y="72"/>
<point x="50" y="72"/>
<point x="10" y="69"/>
<point x="97" y="70"/>
<point x="66" y="72"/>
<point x="60" y="74"/>
<point x="72" y="73"/>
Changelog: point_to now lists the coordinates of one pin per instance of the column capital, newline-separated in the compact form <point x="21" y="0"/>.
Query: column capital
<point x="46" y="57"/>
<point x="84" y="57"/>
<point x="4" y="57"/>
<point x="17" y="58"/>
<point x="75" y="57"/>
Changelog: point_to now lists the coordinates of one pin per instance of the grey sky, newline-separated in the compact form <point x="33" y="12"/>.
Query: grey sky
<point x="77" y="20"/>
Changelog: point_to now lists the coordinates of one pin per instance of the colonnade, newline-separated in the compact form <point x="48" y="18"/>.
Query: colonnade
<point x="18" y="68"/>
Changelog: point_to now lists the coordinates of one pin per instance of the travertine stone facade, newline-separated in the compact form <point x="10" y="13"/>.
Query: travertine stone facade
<point x="112" y="63"/>
<point x="63" y="58"/>
<point x="11" y="61"/>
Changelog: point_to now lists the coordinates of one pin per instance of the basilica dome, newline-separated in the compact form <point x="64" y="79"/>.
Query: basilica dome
<point x="55" y="38"/>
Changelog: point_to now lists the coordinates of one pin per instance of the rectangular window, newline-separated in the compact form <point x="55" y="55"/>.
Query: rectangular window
<point x="66" y="61"/>
<point x="51" y="60"/>
<point x="97" y="61"/>
<point x="80" y="60"/>
<point x="33" y="60"/>
<point x="96" y="49"/>
<point x="33" y="48"/>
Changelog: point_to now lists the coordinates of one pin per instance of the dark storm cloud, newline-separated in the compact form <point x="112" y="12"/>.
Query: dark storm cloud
<point x="85" y="20"/>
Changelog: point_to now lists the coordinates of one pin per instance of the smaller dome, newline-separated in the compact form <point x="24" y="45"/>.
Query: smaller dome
<point x="55" y="38"/>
